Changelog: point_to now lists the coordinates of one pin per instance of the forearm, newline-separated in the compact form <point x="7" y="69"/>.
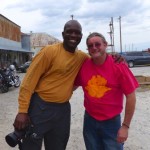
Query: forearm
<point x="129" y="108"/>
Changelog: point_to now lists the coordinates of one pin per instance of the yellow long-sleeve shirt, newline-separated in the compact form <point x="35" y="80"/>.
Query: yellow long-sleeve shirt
<point x="51" y="74"/>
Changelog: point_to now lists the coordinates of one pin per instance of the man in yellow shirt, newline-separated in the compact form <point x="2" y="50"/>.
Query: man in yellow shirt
<point x="46" y="89"/>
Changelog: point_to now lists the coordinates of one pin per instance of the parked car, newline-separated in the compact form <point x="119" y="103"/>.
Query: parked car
<point x="137" y="58"/>
<point x="23" y="68"/>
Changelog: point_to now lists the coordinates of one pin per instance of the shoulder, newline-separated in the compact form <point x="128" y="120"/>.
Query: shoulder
<point x="80" y="56"/>
<point x="80" y="52"/>
<point x="123" y="68"/>
<point x="52" y="48"/>
<point x="112" y="60"/>
<point x="118" y="67"/>
<point x="87" y="62"/>
<point x="48" y="52"/>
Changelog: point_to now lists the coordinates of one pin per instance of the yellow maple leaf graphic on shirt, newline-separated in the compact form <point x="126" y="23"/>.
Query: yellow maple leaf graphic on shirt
<point x="96" y="87"/>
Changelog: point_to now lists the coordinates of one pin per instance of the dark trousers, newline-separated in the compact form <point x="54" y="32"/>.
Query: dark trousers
<point x="50" y="122"/>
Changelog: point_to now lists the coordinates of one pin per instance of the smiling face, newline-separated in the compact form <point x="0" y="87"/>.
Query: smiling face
<point x="72" y="35"/>
<point x="96" y="46"/>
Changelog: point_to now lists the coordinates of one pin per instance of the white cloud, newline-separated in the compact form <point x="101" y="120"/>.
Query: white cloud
<point x="50" y="16"/>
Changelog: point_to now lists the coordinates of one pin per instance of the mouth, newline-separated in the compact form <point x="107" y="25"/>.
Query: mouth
<point x="73" y="41"/>
<point x="96" y="53"/>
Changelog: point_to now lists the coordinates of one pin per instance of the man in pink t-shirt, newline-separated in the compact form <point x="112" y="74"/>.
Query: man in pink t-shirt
<point x="105" y="83"/>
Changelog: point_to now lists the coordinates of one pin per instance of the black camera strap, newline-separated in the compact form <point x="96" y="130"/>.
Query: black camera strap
<point x="20" y="145"/>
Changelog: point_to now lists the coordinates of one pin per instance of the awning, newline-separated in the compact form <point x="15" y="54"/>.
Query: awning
<point x="7" y="48"/>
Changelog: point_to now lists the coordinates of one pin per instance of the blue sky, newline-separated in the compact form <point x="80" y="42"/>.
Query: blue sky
<point x="94" y="15"/>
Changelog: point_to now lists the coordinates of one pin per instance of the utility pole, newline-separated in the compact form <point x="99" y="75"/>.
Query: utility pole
<point x="72" y="16"/>
<point x="132" y="47"/>
<point x="111" y="34"/>
<point x="120" y="34"/>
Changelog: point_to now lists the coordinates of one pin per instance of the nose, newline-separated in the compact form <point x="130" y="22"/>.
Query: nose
<point x="73" y="34"/>
<point x="94" y="46"/>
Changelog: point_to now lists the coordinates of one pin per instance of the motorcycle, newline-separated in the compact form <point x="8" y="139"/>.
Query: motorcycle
<point x="3" y="83"/>
<point x="9" y="78"/>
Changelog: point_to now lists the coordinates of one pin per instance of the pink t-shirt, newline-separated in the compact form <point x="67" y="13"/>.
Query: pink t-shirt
<point x="104" y="87"/>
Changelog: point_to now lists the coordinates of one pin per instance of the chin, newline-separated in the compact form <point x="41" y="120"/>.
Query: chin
<point x="97" y="55"/>
<point x="73" y="47"/>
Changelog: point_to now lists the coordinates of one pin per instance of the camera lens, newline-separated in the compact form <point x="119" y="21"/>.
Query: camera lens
<point x="11" y="139"/>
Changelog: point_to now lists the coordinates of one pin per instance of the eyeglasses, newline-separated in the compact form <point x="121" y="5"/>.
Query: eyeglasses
<point x="97" y="45"/>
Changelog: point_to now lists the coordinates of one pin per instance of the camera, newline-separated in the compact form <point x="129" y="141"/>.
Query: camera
<point x="15" y="137"/>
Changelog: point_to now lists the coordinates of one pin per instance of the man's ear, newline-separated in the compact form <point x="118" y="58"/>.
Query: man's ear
<point x="62" y="34"/>
<point x="106" y="44"/>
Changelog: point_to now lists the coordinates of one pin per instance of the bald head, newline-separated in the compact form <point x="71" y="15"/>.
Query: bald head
<point x="72" y="23"/>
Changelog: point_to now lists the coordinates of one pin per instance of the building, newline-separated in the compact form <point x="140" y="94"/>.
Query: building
<point x="14" y="45"/>
<point x="39" y="40"/>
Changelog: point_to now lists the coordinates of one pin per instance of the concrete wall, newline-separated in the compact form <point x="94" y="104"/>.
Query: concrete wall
<point x="143" y="79"/>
